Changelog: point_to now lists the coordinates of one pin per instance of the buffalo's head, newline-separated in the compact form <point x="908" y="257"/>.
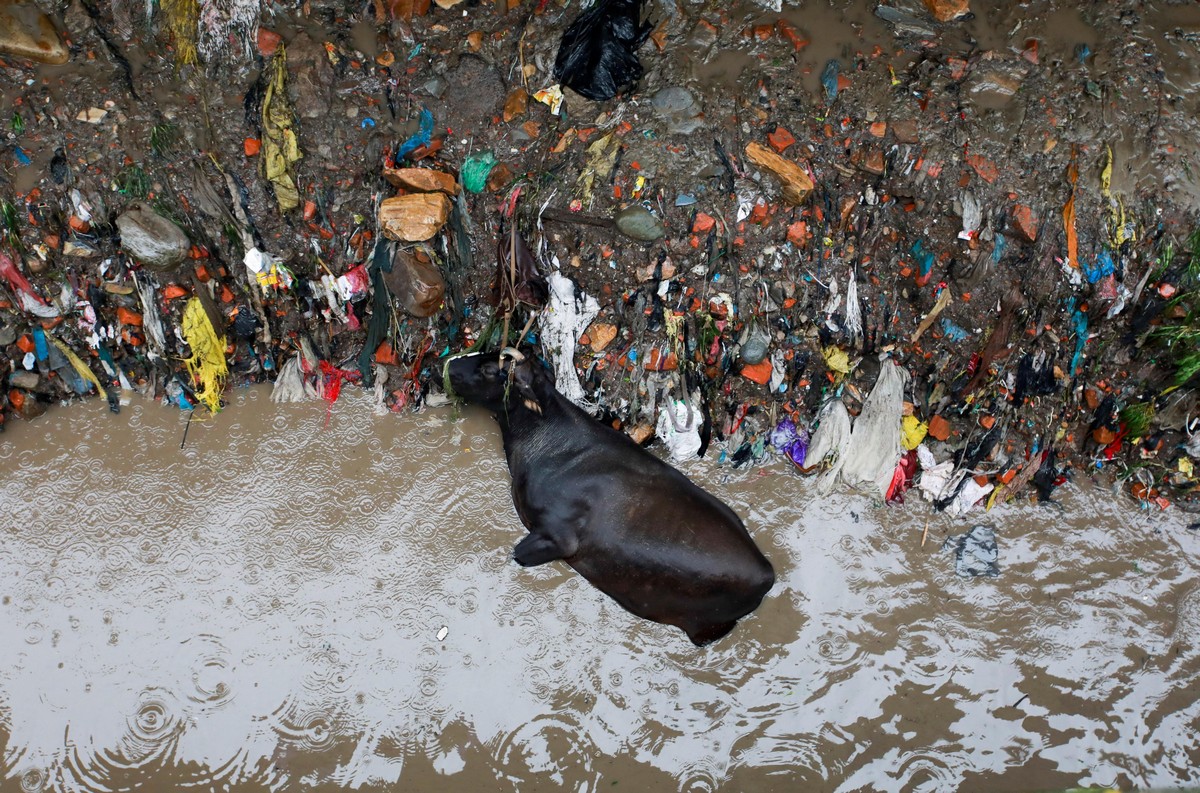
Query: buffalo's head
<point x="497" y="382"/>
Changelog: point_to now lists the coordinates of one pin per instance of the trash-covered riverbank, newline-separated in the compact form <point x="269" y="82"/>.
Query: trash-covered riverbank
<point x="903" y="245"/>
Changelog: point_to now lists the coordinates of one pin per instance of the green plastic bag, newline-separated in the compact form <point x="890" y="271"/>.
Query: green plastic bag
<point x="475" y="171"/>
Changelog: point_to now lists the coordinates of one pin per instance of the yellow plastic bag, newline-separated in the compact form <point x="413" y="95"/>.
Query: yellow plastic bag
<point x="836" y="359"/>
<point x="913" y="432"/>
<point x="207" y="366"/>
<point x="280" y="148"/>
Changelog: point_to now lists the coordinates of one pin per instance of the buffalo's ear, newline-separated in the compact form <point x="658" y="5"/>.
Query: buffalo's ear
<point x="523" y="379"/>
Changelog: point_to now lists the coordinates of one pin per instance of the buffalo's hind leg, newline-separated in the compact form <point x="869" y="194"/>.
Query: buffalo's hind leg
<point x="709" y="633"/>
<point x="539" y="548"/>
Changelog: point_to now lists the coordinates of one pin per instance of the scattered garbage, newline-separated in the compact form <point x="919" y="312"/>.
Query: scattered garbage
<point x="566" y="316"/>
<point x="829" y="443"/>
<point x="416" y="283"/>
<point x="280" y="146"/>
<point x="422" y="138"/>
<point x="476" y="170"/>
<point x="791" y="441"/>
<point x="678" y="427"/>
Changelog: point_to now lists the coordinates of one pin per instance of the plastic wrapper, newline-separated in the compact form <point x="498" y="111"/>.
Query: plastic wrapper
<point x="975" y="553"/>
<point x="791" y="441"/>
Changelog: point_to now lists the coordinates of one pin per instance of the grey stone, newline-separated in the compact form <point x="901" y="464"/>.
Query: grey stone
<point x="639" y="223"/>
<point x="8" y="334"/>
<point x="755" y="343"/>
<point x="994" y="87"/>
<point x="677" y="106"/>
<point x="906" y="23"/>
<point x="310" y="77"/>
<point x="151" y="239"/>
<point x="474" y="94"/>
<point x="434" y="86"/>
<point x="24" y="379"/>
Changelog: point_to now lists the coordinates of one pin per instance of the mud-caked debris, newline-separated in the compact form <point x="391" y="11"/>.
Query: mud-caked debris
<point x="28" y="32"/>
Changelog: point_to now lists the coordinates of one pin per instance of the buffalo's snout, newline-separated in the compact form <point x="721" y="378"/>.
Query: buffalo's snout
<point x="459" y="371"/>
<point x="476" y="378"/>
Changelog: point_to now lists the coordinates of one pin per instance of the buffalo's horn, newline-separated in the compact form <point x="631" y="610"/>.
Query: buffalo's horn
<point x="514" y="353"/>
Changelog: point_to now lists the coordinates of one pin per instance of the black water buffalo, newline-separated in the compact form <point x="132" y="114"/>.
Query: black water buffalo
<point x="628" y="522"/>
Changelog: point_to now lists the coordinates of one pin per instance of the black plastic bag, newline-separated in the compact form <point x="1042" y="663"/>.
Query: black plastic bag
<point x="975" y="553"/>
<point x="598" y="54"/>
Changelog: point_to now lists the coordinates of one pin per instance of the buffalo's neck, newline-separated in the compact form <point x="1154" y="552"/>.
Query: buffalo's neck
<point x="530" y="434"/>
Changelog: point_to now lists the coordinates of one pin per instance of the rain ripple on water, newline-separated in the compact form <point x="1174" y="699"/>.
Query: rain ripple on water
<point x="286" y="605"/>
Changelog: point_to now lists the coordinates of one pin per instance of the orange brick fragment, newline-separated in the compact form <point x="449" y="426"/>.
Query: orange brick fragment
<point x="984" y="167"/>
<point x="797" y="232"/>
<point x="780" y="139"/>
<point x="758" y="372"/>
<point x="939" y="428"/>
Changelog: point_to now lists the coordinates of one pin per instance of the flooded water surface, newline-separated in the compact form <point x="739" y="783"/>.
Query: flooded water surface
<point x="286" y="605"/>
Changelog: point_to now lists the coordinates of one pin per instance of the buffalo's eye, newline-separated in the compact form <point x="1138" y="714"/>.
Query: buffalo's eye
<point x="490" y="369"/>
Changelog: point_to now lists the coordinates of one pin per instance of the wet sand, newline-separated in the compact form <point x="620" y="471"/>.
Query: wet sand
<point x="262" y="610"/>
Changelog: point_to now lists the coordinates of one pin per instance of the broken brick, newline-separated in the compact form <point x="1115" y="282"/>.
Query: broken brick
<point x="939" y="428"/>
<point x="986" y="169"/>
<point x="780" y="139"/>
<point x="703" y="223"/>
<point x="947" y="10"/>
<point x="1026" y="222"/>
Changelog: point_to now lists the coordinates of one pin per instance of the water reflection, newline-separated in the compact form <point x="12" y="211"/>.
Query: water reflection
<point x="329" y="608"/>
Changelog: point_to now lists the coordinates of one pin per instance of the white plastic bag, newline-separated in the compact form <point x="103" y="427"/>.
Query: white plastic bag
<point x="681" y="437"/>
<point x="875" y="447"/>
<point x="562" y="322"/>
<point x="829" y="440"/>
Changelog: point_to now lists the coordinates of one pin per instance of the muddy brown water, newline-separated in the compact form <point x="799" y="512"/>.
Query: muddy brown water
<point x="263" y="609"/>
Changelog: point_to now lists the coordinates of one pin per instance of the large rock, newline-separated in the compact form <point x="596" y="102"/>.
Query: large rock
<point x="474" y="94"/>
<point x="793" y="180"/>
<point x="947" y="10"/>
<point x="639" y="223"/>
<point x="678" y="107"/>
<point x="310" y="78"/>
<point x="23" y="379"/>
<point x="151" y="239"/>
<point x="421" y="180"/>
<point x="415" y="217"/>
<point x="26" y="32"/>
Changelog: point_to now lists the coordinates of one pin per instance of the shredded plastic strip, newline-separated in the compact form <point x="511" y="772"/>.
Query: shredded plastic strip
<point x="79" y="366"/>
